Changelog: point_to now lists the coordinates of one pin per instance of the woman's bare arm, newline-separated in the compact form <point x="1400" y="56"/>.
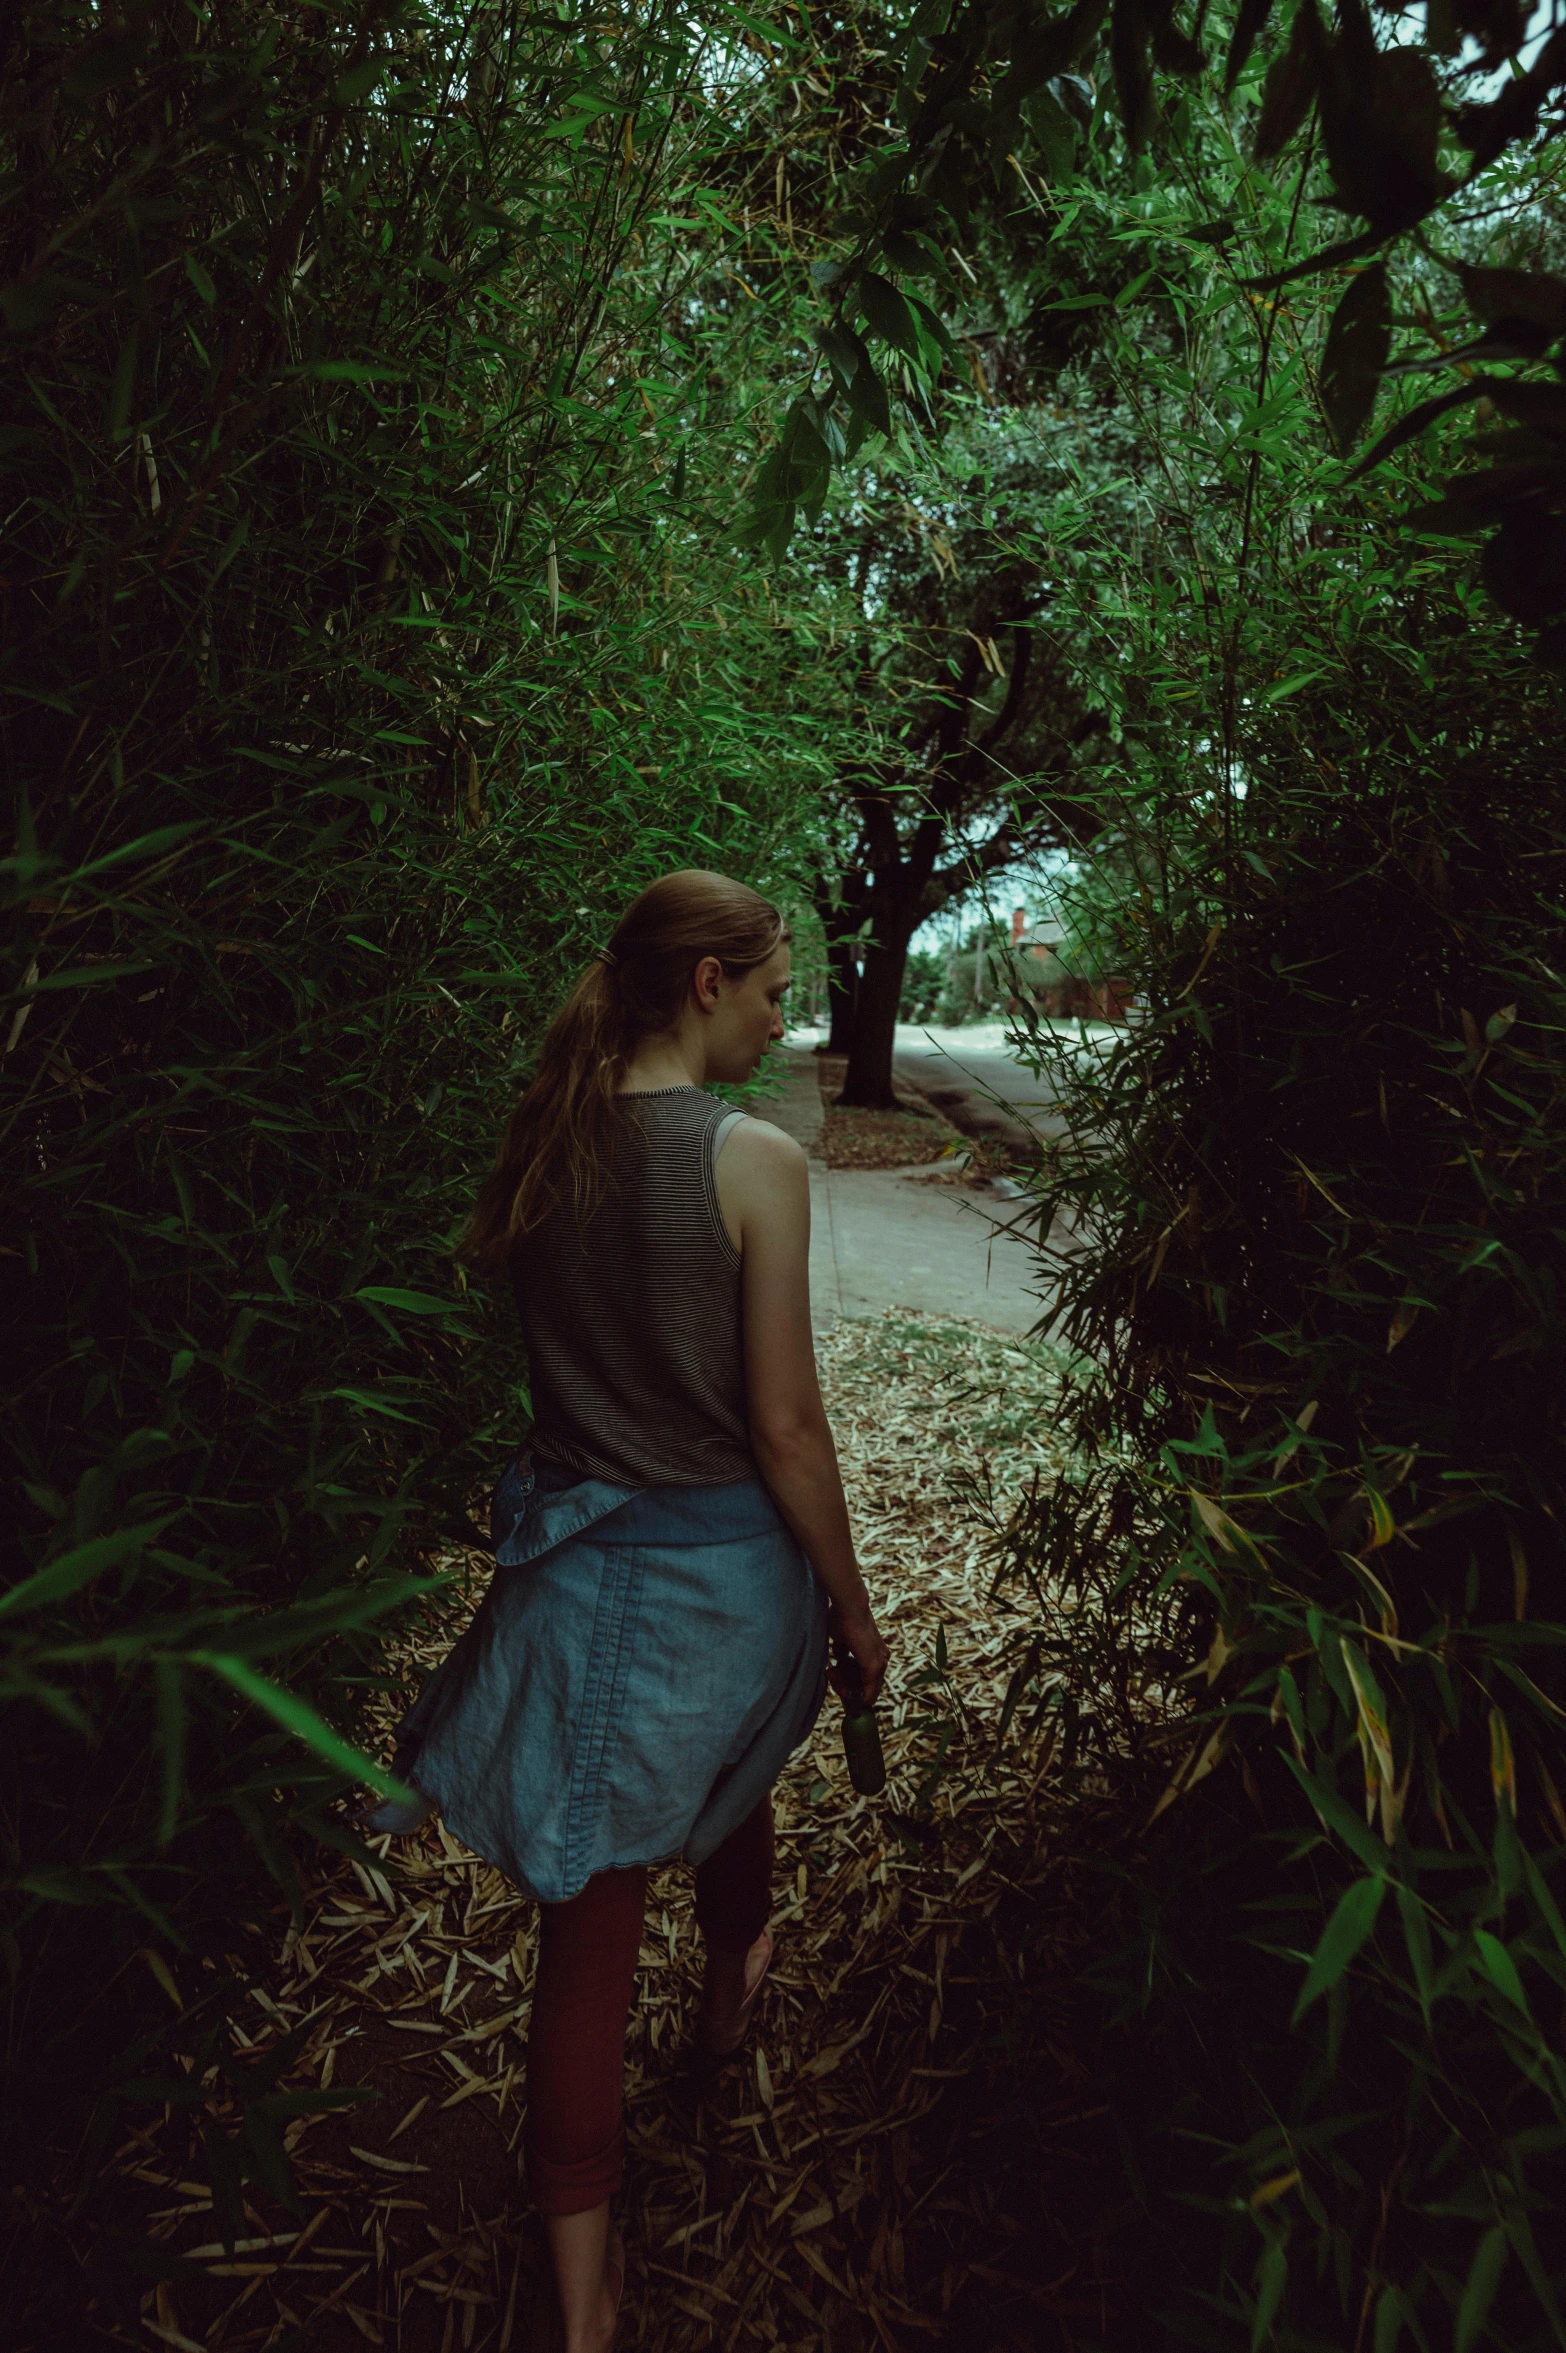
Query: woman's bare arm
<point x="764" y="1192"/>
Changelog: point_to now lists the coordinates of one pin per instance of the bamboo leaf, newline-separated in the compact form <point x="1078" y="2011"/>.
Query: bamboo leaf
<point x="888" y="315"/>
<point x="1250" y="21"/>
<point x="1409" y="427"/>
<point x="1392" y="2317"/>
<point x="410" y="1302"/>
<point x="1501" y="1970"/>
<point x="1484" y="2277"/>
<point x="1291" y="85"/>
<point x="58" y="1579"/>
<point x="354" y="86"/>
<point x="299" y="1718"/>
<point x="168" y="1684"/>
<point x="1358" y="343"/>
<point x="1416" y="1932"/>
<point x="1353" y="1917"/>
<point x="1272" y="2279"/>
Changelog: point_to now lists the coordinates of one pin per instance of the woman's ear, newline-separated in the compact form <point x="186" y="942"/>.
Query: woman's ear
<point x="705" y="983"/>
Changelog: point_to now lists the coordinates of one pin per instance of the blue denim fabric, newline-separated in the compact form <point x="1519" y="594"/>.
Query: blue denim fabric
<point x="643" y="1664"/>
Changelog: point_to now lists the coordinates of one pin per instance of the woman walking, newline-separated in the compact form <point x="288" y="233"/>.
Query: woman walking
<point x="672" y="1544"/>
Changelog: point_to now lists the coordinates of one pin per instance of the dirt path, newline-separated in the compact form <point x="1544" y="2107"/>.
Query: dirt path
<point x="892" y="2163"/>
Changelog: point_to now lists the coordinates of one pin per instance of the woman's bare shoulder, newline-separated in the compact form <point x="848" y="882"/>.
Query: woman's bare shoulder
<point x="763" y="1182"/>
<point x="758" y="1148"/>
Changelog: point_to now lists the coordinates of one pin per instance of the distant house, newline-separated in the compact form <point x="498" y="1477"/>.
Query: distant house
<point x="1058" y="991"/>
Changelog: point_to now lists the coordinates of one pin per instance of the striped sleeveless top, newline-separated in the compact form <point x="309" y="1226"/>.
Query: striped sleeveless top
<point x="632" y="1322"/>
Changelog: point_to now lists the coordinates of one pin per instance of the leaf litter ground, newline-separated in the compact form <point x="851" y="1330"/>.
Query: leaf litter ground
<point x="906" y="2153"/>
<point x="909" y="1137"/>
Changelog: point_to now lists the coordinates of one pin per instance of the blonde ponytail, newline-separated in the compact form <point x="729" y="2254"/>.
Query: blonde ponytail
<point x="561" y="1135"/>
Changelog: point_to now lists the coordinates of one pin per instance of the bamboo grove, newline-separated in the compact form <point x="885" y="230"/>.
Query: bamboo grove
<point x="462" y="462"/>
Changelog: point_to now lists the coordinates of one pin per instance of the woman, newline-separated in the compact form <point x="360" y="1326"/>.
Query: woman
<point x="672" y="1544"/>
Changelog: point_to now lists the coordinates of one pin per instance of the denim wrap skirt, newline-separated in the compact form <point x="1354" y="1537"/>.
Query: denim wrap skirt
<point x="643" y="1664"/>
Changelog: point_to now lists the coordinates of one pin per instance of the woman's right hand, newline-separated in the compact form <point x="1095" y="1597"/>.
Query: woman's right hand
<point x="854" y="1635"/>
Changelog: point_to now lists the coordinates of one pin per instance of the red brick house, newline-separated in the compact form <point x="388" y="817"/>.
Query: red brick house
<point x="1064" y="994"/>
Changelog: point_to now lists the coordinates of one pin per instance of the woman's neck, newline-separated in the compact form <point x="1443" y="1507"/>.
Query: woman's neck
<point x="666" y="1061"/>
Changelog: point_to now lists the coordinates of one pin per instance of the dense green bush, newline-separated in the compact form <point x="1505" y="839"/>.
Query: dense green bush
<point x="363" y="650"/>
<point x="1325" y="1317"/>
<point x="1302" y="1618"/>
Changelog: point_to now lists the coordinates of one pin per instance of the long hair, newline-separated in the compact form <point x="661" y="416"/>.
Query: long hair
<point x="560" y="1137"/>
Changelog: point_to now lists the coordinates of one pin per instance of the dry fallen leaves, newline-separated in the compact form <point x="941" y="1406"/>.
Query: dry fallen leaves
<point x="914" y="1133"/>
<point x="832" y="2189"/>
<point x="881" y="1139"/>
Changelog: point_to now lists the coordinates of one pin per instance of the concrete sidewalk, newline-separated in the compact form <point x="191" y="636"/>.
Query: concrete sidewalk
<point x="973" y="1076"/>
<point x="879" y="1240"/>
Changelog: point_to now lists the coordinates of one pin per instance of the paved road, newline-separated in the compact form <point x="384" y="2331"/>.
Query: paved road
<point x="962" y="1070"/>
<point x="880" y="1239"/>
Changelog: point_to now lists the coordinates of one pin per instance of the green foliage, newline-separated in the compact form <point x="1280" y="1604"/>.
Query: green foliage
<point x="973" y="982"/>
<point x="363" y="653"/>
<point x="379" y="405"/>
<point x="988" y="90"/>
<point x="1324" y="1310"/>
<point x="924" y="981"/>
<point x="1301" y="1613"/>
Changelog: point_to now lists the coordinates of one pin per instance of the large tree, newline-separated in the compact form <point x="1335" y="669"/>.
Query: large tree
<point x="970" y="735"/>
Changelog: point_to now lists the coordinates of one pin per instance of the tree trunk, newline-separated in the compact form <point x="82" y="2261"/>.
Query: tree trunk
<point x="842" y="995"/>
<point x="841" y="907"/>
<point x="868" y="1086"/>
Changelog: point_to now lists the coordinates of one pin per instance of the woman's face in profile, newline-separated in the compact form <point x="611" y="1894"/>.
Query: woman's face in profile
<point x="747" y="1018"/>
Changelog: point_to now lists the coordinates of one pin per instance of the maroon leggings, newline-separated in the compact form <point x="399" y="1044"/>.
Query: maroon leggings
<point x="586" y="1974"/>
